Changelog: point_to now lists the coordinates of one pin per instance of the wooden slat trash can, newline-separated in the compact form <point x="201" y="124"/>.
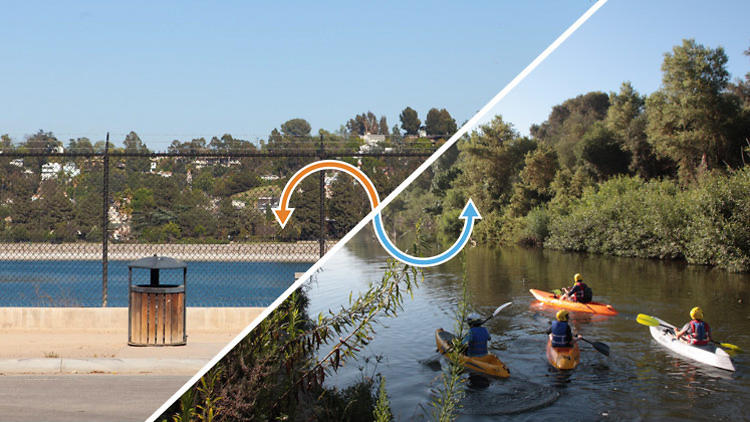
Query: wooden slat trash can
<point x="156" y="312"/>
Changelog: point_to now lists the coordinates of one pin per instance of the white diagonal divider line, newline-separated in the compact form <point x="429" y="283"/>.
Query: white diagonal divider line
<point x="452" y="140"/>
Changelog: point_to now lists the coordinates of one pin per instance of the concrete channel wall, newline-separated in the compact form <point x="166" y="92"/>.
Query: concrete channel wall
<point x="116" y="319"/>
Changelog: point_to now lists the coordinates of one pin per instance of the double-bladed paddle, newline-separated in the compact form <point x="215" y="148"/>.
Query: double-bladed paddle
<point x="653" y="322"/>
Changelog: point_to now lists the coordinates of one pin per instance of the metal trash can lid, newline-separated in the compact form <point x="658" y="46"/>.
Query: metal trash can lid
<point x="157" y="262"/>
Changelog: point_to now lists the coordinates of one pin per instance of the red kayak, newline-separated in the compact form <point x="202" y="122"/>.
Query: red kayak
<point x="591" y="307"/>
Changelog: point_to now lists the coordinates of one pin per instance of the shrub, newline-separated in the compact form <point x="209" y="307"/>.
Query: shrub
<point x="537" y="226"/>
<point x="704" y="224"/>
<point x="718" y="233"/>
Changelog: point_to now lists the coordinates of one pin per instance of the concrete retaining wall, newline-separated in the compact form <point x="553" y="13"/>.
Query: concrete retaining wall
<point x="116" y="319"/>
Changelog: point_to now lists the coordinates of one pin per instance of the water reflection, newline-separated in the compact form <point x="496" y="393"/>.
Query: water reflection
<point x="639" y="380"/>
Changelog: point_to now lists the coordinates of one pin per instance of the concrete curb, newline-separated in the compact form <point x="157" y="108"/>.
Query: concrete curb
<point x="166" y="366"/>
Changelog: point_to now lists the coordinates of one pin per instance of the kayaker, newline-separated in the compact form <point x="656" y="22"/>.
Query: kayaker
<point x="477" y="337"/>
<point x="580" y="292"/>
<point x="560" y="332"/>
<point x="698" y="331"/>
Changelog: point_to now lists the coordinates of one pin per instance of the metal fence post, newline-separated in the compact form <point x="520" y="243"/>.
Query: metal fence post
<point x="81" y="243"/>
<point x="105" y="221"/>
<point x="322" y="182"/>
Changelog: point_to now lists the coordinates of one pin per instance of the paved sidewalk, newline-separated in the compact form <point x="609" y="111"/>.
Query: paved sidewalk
<point x="85" y="340"/>
<point x="75" y="365"/>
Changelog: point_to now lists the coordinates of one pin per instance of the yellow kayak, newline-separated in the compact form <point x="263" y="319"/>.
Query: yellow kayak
<point x="488" y="364"/>
<point x="563" y="357"/>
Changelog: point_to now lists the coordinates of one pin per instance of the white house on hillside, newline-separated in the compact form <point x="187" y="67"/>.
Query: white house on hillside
<point x="371" y="141"/>
<point x="51" y="170"/>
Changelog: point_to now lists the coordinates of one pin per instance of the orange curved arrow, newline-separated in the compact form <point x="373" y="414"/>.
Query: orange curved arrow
<point x="283" y="212"/>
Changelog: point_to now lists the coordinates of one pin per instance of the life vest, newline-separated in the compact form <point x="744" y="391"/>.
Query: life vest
<point x="478" y="341"/>
<point x="699" y="332"/>
<point x="583" y="294"/>
<point x="561" y="335"/>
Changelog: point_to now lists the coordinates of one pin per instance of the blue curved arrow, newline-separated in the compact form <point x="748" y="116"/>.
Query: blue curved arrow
<point x="469" y="214"/>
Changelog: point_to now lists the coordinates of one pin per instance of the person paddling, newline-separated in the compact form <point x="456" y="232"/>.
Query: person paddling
<point x="560" y="333"/>
<point x="698" y="332"/>
<point x="477" y="337"/>
<point x="580" y="292"/>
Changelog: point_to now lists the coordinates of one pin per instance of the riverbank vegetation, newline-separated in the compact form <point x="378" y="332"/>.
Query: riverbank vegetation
<point x="278" y="371"/>
<point x="657" y="176"/>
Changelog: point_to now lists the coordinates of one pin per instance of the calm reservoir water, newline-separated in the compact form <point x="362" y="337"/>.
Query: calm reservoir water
<point x="79" y="283"/>
<point x="640" y="380"/>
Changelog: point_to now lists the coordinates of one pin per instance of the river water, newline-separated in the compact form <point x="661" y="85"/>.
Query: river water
<point x="640" y="380"/>
<point x="79" y="283"/>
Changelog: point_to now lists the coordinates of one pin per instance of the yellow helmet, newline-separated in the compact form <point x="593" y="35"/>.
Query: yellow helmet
<point x="577" y="277"/>
<point x="562" y="315"/>
<point x="696" y="313"/>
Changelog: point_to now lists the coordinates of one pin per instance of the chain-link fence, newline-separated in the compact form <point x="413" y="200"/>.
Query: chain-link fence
<point x="71" y="220"/>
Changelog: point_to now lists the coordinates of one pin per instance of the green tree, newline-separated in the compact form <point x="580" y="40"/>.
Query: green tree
<point x="227" y="143"/>
<point x="742" y="88"/>
<point x="383" y="126"/>
<point x="347" y="205"/>
<point x="534" y="188"/>
<point x="600" y="148"/>
<point x="568" y="122"/>
<point x="81" y="145"/>
<point x="624" y="107"/>
<point x="295" y="134"/>
<point x="366" y="123"/>
<point x="40" y="142"/>
<point x="88" y="214"/>
<point x="445" y="171"/>
<point x="195" y="146"/>
<point x="6" y="144"/>
<point x="296" y="128"/>
<point x="229" y="220"/>
<point x="235" y="182"/>
<point x="54" y="212"/>
<point x="491" y="162"/>
<point x="143" y="204"/>
<point x="396" y="137"/>
<point x="440" y="123"/>
<point x="194" y="218"/>
<point x="274" y="139"/>
<point x="305" y="222"/>
<point x="626" y="119"/>
<point x="410" y="122"/>
<point x="133" y="144"/>
<point x="690" y="117"/>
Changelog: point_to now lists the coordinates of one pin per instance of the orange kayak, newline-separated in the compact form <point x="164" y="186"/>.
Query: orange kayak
<point x="563" y="357"/>
<point x="591" y="307"/>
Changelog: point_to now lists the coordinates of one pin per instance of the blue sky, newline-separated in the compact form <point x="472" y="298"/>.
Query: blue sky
<point x="626" y="41"/>
<point x="178" y="70"/>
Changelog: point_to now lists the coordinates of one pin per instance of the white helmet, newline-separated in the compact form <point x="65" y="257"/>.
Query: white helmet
<point x="474" y="319"/>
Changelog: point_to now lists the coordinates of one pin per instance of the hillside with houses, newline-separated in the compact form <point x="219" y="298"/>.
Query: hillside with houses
<point x="53" y="192"/>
